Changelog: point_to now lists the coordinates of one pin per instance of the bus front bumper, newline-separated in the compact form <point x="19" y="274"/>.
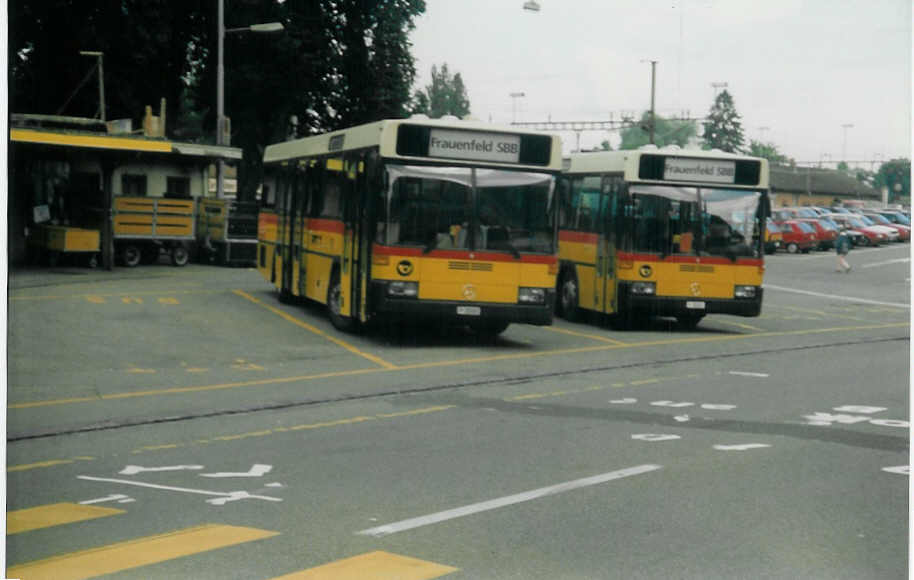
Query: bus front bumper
<point x="684" y="306"/>
<point x="384" y="306"/>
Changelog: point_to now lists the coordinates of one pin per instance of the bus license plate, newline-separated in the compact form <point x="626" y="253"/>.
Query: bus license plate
<point x="469" y="310"/>
<point x="694" y="305"/>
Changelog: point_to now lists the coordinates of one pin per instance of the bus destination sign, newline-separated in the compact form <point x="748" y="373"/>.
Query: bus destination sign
<point x="451" y="144"/>
<point x="700" y="170"/>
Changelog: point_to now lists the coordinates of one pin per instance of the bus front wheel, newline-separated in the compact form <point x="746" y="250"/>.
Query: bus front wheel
<point x="568" y="297"/>
<point x="335" y="305"/>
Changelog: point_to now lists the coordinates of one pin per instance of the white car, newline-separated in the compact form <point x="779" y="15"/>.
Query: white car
<point x="891" y="233"/>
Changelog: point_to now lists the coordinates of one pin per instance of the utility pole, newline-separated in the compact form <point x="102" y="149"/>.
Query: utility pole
<point x="845" y="126"/>
<point x="653" y="83"/>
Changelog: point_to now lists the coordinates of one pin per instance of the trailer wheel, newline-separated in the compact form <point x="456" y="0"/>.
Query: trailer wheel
<point x="131" y="255"/>
<point x="179" y="256"/>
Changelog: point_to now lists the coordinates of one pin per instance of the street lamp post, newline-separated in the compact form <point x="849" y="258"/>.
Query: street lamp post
<point x="220" y="84"/>
<point x="514" y="97"/>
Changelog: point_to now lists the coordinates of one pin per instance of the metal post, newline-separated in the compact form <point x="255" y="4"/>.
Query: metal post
<point x="220" y="101"/>
<point x="653" y="81"/>
<point x="101" y="85"/>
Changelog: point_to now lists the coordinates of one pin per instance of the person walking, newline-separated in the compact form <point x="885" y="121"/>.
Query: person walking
<point x="842" y="247"/>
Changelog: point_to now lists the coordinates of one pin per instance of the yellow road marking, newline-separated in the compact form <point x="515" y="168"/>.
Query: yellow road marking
<point x="584" y="334"/>
<point x="54" y="515"/>
<point x="307" y="426"/>
<point x="457" y="362"/>
<point x="738" y="325"/>
<point x="50" y="463"/>
<point x="820" y="312"/>
<point x="98" y="298"/>
<point x="135" y="553"/>
<point x="373" y="566"/>
<point x="315" y="330"/>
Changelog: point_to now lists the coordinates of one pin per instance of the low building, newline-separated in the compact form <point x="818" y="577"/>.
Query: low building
<point x="797" y="186"/>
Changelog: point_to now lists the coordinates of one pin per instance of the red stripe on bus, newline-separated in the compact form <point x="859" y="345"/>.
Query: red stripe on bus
<point x="462" y="255"/>
<point x="690" y="259"/>
<point x="332" y="226"/>
<point x="580" y="237"/>
<point x="269" y="218"/>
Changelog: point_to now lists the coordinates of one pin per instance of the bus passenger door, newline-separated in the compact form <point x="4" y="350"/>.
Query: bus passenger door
<point x="349" y="262"/>
<point x="606" y="249"/>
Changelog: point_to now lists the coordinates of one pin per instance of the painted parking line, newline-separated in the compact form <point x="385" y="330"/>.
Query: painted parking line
<point x="886" y="263"/>
<point x="373" y="566"/>
<point x="507" y="500"/>
<point x="56" y="514"/>
<point x="456" y="362"/>
<point x="583" y="334"/>
<point x="136" y="553"/>
<point x="297" y="321"/>
<point x="836" y="296"/>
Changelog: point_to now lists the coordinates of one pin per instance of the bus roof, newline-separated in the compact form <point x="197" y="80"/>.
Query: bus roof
<point x="686" y="166"/>
<point x="385" y="135"/>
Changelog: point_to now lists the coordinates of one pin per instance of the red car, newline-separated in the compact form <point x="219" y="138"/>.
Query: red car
<point x="872" y="236"/>
<point x="798" y="236"/>
<point x="825" y="232"/>
<point x="904" y="232"/>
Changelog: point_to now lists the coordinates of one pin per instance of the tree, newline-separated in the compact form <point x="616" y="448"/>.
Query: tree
<point x="446" y="95"/>
<point x="896" y="176"/>
<point x="666" y="132"/>
<point x="768" y="151"/>
<point x="723" y="129"/>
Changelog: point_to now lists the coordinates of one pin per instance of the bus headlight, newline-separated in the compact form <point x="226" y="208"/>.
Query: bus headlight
<point x="745" y="291"/>
<point x="403" y="289"/>
<point x="643" y="288"/>
<point x="531" y="295"/>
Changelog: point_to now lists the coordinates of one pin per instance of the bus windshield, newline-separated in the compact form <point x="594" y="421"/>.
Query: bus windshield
<point x="467" y="208"/>
<point x="697" y="221"/>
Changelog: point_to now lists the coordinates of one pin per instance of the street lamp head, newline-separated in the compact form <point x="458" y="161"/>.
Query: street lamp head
<point x="532" y="6"/>
<point x="267" y="27"/>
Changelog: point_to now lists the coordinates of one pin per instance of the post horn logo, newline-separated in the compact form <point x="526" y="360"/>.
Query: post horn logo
<point x="695" y="288"/>
<point x="645" y="271"/>
<point x="405" y="268"/>
<point x="469" y="292"/>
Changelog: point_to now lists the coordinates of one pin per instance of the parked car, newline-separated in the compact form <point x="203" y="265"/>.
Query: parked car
<point x="904" y="232"/>
<point x="872" y="236"/>
<point x="826" y="233"/>
<point x="896" y="217"/>
<point x="891" y="233"/>
<point x="773" y="237"/>
<point x="798" y="236"/>
<point x="788" y="213"/>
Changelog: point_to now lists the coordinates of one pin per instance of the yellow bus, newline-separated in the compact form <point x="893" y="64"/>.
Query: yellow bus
<point x="447" y="220"/>
<point x="665" y="232"/>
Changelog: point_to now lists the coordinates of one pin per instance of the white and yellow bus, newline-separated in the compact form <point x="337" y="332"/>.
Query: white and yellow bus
<point x="665" y="232"/>
<point x="439" y="219"/>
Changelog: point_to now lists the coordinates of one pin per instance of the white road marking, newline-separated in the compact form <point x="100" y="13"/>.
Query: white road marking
<point x="113" y="497"/>
<point x="652" y="437"/>
<point x="681" y="418"/>
<point x="257" y="470"/>
<point x="671" y="404"/>
<point x="748" y="374"/>
<point x="885" y="263"/>
<point x="438" y="517"/>
<point x="743" y="447"/>
<point x="717" y="407"/>
<point x="899" y="469"/>
<point x="859" y="409"/>
<point x="627" y="401"/>
<point x="134" y="469"/>
<point x="837" y="297"/>
<point x="226" y="496"/>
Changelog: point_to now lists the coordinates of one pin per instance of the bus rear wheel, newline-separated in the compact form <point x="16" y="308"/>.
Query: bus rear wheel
<point x="568" y="297"/>
<point x="335" y="305"/>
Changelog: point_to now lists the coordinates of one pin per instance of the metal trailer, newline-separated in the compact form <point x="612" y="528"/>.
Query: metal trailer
<point x="57" y="243"/>
<point x="144" y="227"/>
<point x="227" y="231"/>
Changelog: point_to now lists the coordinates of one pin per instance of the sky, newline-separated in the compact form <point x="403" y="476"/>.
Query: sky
<point x="798" y="70"/>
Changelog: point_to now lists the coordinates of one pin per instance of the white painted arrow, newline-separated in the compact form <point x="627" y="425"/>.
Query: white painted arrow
<point x="257" y="470"/>
<point x="134" y="469"/>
